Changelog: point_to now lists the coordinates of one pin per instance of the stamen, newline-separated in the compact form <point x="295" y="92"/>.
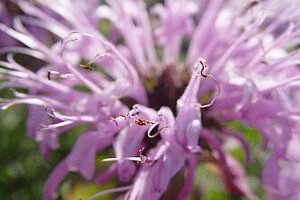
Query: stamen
<point x="49" y="75"/>
<point x="140" y="159"/>
<point x="112" y="52"/>
<point x="203" y="64"/>
<point x="110" y="191"/>
<point x="134" y="112"/>
<point x="198" y="72"/>
<point x="253" y="3"/>
<point x="88" y="66"/>
<point x="120" y="121"/>
<point x="137" y="159"/>
<point x="144" y="159"/>
<point x="79" y="118"/>
<point x="215" y="97"/>
<point x="143" y="122"/>
<point x="57" y="74"/>
<point x="250" y="5"/>
<point x="67" y="40"/>
<point x="57" y="125"/>
<point x="154" y="130"/>
<point x="7" y="103"/>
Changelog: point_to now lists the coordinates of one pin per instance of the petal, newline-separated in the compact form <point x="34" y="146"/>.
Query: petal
<point x="56" y="177"/>
<point x="152" y="182"/>
<point x="270" y="174"/>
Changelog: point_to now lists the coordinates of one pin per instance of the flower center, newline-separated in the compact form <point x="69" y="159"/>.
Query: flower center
<point x="167" y="88"/>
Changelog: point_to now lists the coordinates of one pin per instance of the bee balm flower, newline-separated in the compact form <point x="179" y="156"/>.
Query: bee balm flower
<point x="168" y="81"/>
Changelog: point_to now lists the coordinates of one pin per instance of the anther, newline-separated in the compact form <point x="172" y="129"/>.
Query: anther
<point x="67" y="40"/>
<point x="143" y="122"/>
<point x="250" y="5"/>
<point x="88" y="65"/>
<point x="203" y="64"/>
<point x="144" y="159"/>
<point x="55" y="74"/>
<point x="198" y="70"/>
<point x="49" y="75"/>
<point x="120" y="121"/>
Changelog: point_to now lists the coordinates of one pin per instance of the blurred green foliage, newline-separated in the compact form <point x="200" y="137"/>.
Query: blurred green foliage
<point x="22" y="171"/>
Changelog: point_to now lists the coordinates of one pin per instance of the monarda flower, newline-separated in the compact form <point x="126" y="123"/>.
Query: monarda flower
<point x="158" y="84"/>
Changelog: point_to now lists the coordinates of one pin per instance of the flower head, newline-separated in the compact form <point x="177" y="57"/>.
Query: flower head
<point x="141" y="83"/>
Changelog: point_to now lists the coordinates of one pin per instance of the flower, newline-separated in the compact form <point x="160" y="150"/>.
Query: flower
<point x="174" y="107"/>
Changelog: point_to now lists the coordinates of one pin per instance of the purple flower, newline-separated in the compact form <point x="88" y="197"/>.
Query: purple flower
<point x="168" y="82"/>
